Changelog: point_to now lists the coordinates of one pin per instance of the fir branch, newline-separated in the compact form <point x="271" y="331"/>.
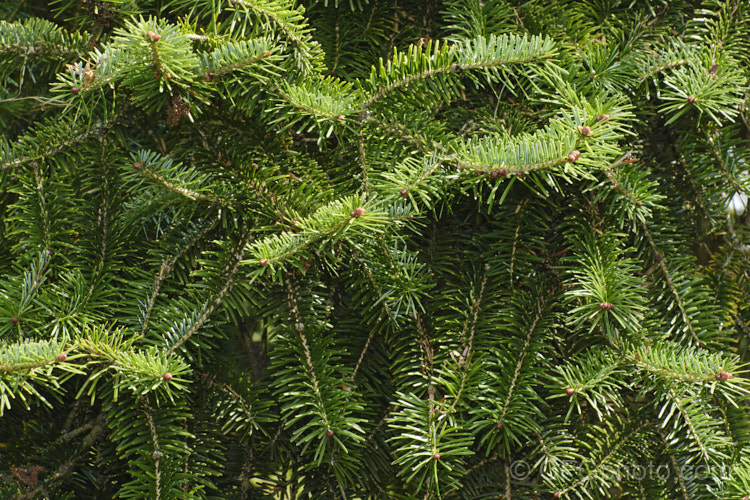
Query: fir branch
<point x="281" y="14"/>
<point x="540" y="305"/>
<point x="38" y="38"/>
<point x="167" y="265"/>
<point x="660" y="259"/>
<point x="468" y="343"/>
<point x="427" y="367"/>
<point x="33" y="280"/>
<point x="234" y="395"/>
<point x="103" y="222"/>
<point x="401" y="132"/>
<point x="547" y="148"/>
<point x="299" y="327"/>
<point x="687" y="176"/>
<point x="28" y="366"/>
<point x="612" y="176"/>
<point x="725" y="171"/>
<point x="656" y="69"/>
<point x="362" y="353"/>
<point x="406" y="82"/>
<point x="676" y="468"/>
<point x="228" y="278"/>
<point x="333" y="105"/>
<point x="489" y="53"/>
<point x="362" y="156"/>
<point x="146" y="410"/>
<point x="600" y="466"/>
<point x="49" y="140"/>
<point x="41" y="206"/>
<point x="240" y="57"/>
<point x="383" y="420"/>
<point x="95" y="431"/>
<point x="343" y="219"/>
<point x="516" y="240"/>
<point x="180" y="190"/>
<point x="689" y="422"/>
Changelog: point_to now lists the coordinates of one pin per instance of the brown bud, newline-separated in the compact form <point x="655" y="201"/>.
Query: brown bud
<point x="359" y="211"/>
<point x="606" y="306"/>
<point x="138" y="164"/>
<point x="62" y="357"/>
<point x="75" y="90"/>
<point x="329" y="433"/>
<point x="724" y="376"/>
<point x="436" y="456"/>
<point x="691" y="99"/>
<point x="502" y="172"/>
<point x="167" y="376"/>
<point x="499" y="425"/>
<point x="573" y="156"/>
<point x="585" y="130"/>
<point x="495" y="174"/>
<point x="556" y="495"/>
<point x="602" y="117"/>
<point x="154" y="37"/>
<point x="263" y="262"/>
<point x="341" y="118"/>
<point x="14" y="320"/>
<point x="352" y="214"/>
<point x="520" y="174"/>
<point x="638" y="204"/>
<point x="167" y="76"/>
<point x="404" y="192"/>
<point x="569" y="391"/>
<point x="411" y="217"/>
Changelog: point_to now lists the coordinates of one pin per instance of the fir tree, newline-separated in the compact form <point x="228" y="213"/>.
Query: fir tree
<point x="374" y="249"/>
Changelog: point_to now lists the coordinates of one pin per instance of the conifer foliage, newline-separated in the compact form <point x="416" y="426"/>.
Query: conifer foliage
<point x="374" y="249"/>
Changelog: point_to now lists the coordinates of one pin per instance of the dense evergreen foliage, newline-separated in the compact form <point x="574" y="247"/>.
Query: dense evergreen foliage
<point x="374" y="249"/>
